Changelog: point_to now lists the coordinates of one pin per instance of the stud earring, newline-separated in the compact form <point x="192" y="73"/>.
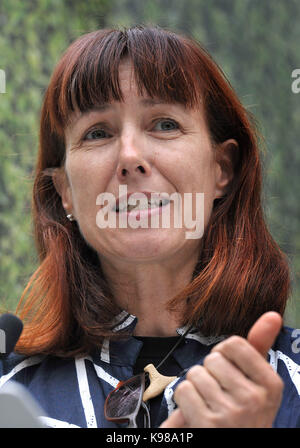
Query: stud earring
<point x="70" y="217"/>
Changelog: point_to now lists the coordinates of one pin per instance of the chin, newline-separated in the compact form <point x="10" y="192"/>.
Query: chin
<point x="146" y="244"/>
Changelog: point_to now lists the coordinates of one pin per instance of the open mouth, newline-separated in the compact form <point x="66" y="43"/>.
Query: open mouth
<point x="142" y="205"/>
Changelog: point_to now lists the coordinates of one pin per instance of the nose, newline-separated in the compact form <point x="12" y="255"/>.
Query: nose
<point x="133" y="161"/>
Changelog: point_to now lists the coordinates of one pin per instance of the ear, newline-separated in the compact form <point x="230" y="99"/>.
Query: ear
<point x="226" y="157"/>
<point x="62" y="186"/>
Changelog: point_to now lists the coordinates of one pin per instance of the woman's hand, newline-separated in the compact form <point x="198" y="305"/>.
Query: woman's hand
<point x="236" y="387"/>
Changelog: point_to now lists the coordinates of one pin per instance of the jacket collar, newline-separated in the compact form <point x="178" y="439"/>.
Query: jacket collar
<point x="125" y="352"/>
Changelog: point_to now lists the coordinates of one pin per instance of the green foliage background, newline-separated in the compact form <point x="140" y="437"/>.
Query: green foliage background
<point x="257" y="44"/>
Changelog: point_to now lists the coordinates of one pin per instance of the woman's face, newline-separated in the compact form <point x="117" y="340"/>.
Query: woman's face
<point x="106" y="148"/>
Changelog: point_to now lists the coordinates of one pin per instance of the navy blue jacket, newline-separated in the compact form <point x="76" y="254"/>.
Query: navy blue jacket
<point x="72" y="392"/>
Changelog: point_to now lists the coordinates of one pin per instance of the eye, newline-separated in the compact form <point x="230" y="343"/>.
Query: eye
<point x="166" y="124"/>
<point x="96" y="134"/>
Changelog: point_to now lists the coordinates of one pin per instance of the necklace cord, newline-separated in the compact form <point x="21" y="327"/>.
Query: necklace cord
<point x="173" y="348"/>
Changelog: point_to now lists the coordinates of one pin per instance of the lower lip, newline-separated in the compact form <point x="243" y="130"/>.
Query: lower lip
<point x="144" y="213"/>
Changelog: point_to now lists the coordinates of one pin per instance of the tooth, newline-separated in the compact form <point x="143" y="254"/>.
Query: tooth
<point x="153" y="202"/>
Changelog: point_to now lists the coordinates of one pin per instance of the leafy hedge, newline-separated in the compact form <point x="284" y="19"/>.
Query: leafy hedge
<point x="256" y="42"/>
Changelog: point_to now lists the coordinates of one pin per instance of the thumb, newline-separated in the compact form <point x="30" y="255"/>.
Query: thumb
<point x="263" y="333"/>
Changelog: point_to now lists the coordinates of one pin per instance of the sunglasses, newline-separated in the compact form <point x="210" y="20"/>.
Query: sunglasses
<point x="125" y="402"/>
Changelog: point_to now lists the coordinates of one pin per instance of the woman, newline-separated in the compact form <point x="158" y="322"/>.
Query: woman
<point x="149" y="110"/>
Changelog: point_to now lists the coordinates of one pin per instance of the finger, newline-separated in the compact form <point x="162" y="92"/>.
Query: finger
<point x="246" y="358"/>
<point x="208" y="386"/>
<point x="176" y="420"/>
<point x="263" y="333"/>
<point x="194" y="409"/>
<point x="232" y="382"/>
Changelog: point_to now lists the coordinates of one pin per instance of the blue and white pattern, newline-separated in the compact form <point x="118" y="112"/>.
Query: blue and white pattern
<point x="72" y="392"/>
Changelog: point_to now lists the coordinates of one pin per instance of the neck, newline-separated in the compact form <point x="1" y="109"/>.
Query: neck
<point x="144" y="290"/>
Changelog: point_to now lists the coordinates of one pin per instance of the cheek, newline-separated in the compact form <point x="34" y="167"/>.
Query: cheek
<point x="87" y="180"/>
<point x="196" y="174"/>
<point x="193" y="171"/>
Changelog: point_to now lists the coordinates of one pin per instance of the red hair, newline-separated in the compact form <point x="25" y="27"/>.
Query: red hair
<point x="67" y="307"/>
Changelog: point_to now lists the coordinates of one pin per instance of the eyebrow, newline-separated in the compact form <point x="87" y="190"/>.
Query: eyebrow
<point x="147" y="102"/>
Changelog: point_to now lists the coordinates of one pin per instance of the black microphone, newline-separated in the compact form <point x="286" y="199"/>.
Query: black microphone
<point x="18" y="408"/>
<point x="10" y="330"/>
